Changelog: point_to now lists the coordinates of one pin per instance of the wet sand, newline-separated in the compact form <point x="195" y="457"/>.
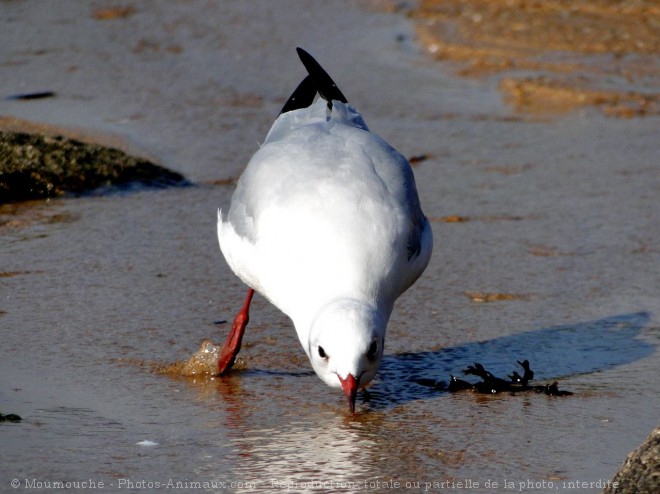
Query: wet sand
<point x="546" y="238"/>
<point x="552" y="56"/>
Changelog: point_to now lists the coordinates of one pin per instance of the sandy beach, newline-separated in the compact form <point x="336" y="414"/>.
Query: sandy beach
<point x="536" y="162"/>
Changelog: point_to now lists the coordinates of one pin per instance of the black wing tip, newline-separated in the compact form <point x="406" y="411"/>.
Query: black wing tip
<point x="304" y="55"/>
<point x="318" y="81"/>
<point x="302" y="97"/>
<point x="310" y="63"/>
<point x="325" y="86"/>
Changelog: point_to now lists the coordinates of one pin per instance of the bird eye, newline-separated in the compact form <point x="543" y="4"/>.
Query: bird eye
<point x="373" y="349"/>
<point x="322" y="353"/>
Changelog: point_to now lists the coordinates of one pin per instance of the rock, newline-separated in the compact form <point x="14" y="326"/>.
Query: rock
<point x="35" y="166"/>
<point x="640" y="473"/>
<point x="10" y="417"/>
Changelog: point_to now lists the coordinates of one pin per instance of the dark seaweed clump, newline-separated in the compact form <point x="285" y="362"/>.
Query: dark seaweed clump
<point x="34" y="166"/>
<point x="491" y="384"/>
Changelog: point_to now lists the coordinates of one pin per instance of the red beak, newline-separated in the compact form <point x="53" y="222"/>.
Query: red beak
<point x="350" y="387"/>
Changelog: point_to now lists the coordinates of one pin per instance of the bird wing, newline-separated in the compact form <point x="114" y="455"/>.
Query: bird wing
<point x="326" y="203"/>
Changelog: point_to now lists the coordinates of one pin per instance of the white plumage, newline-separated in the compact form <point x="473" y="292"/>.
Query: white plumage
<point x="325" y="222"/>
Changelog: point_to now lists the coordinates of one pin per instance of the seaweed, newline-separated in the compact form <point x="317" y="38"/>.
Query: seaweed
<point x="491" y="384"/>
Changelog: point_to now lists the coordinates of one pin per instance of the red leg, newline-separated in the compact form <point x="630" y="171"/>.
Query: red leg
<point x="233" y="342"/>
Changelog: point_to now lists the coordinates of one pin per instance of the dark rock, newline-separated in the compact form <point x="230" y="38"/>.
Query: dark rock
<point x="31" y="96"/>
<point x="34" y="166"/>
<point x="10" y="417"/>
<point x="640" y="473"/>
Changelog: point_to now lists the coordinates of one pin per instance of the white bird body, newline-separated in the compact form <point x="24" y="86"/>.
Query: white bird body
<point x="325" y="222"/>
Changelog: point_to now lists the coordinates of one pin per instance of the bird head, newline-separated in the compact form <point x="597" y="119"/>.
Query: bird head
<point x="346" y="343"/>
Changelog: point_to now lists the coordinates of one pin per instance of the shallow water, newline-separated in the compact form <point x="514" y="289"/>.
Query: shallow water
<point x="96" y="291"/>
<point x="89" y="314"/>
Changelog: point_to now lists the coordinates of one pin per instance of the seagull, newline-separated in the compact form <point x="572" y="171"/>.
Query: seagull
<point x="326" y="224"/>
